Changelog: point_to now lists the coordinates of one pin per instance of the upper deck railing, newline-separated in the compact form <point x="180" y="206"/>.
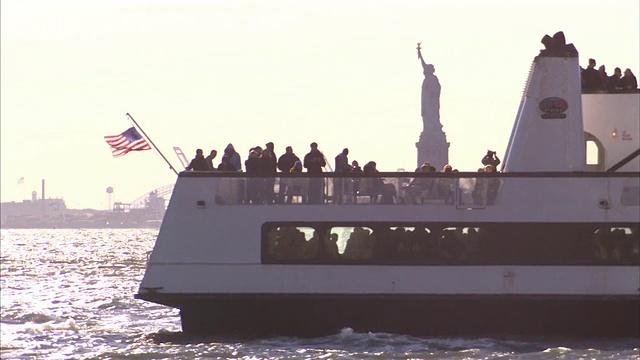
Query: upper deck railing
<point x="616" y="91"/>
<point x="461" y="189"/>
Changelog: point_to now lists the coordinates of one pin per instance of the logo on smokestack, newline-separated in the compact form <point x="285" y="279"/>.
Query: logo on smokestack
<point x="553" y="108"/>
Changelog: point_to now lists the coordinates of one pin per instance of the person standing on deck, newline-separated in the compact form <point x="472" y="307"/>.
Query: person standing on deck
<point x="253" y="166"/>
<point x="212" y="155"/>
<point x="285" y="162"/>
<point x="314" y="162"/>
<point x="234" y="157"/>
<point x="591" y="79"/>
<point x="269" y="166"/>
<point x="341" y="185"/>
<point x="491" y="159"/>
<point x="198" y="163"/>
<point x="628" y="81"/>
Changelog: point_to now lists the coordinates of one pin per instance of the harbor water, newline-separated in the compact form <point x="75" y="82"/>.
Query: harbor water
<point x="68" y="294"/>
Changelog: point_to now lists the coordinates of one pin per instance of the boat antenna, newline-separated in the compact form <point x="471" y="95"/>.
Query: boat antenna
<point x="154" y="145"/>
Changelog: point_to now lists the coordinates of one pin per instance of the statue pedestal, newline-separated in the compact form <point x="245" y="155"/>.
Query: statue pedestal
<point x="434" y="148"/>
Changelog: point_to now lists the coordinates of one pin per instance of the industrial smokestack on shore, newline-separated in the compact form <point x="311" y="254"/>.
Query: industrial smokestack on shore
<point x="44" y="207"/>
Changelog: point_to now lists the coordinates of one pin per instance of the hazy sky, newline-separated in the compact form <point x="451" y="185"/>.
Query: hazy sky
<point x="202" y="74"/>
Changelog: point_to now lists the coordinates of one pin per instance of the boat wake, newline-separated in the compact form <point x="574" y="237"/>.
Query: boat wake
<point x="351" y="344"/>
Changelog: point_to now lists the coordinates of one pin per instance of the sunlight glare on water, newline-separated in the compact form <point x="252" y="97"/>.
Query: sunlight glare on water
<point x="70" y="294"/>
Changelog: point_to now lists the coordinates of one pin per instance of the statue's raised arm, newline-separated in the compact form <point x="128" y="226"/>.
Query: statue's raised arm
<point x="424" y="65"/>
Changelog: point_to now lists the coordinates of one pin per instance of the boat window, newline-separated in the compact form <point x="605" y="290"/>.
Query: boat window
<point x="385" y="243"/>
<point x="403" y="244"/>
<point x="594" y="152"/>
<point x="616" y="245"/>
<point x="460" y="243"/>
<point x="353" y="243"/>
<point x="292" y="243"/>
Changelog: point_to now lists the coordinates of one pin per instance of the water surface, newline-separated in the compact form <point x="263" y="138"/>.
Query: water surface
<point x="68" y="294"/>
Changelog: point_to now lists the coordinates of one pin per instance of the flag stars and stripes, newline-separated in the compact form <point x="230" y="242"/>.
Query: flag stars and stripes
<point x="129" y="140"/>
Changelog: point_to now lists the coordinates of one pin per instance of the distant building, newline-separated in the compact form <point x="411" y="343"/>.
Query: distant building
<point x="147" y="212"/>
<point x="50" y="208"/>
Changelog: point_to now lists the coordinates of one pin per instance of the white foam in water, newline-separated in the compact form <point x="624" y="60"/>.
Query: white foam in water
<point x="69" y="324"/>
<point x="346" y="331"/>
<point x="558" y="350"/>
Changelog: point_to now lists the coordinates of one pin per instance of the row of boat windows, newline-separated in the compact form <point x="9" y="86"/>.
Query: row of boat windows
<point x="496" y="244"/>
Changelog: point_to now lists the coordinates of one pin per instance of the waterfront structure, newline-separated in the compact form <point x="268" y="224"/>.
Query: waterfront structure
<point x="44" y="213"/>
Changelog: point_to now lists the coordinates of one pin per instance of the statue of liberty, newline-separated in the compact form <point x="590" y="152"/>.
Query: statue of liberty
<point x="430" y="101"/>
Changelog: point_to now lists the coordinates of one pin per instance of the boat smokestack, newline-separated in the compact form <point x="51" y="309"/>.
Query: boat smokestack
<point x="548" y="134"/>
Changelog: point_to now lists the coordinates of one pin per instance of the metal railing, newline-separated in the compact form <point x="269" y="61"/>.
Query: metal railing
<point x="464" y="190"/>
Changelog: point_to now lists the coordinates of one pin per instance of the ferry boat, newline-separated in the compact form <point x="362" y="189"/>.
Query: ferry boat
<point x="548" y="246"/>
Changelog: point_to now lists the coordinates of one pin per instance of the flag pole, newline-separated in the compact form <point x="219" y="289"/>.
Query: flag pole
<point x="154" y="145"/>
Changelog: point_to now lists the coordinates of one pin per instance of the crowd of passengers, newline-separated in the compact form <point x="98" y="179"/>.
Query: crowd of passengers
<point x="346" y="190"/>
<point x="598" y="81"/>
<point x="380" y="244"/>
<point x="391" y="244"/>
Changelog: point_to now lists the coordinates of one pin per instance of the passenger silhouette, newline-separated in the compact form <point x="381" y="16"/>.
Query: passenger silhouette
<point x="297" y="186"/>
<point x="613" y="82"/>
<point x="212" y="155"/>
<point x="286" y="160"/>
<point x="234" y="157"/>
<point x="628" y="81"/>
<point x="254" y="188"/>
<point x="225" y="164"/>
<point x="341" y="185"/>
<point x="446" y="185"/>
<point x="590" y="77"/>
<point x="285" y="163"/>
<point x="314" y="162"/>
<point x="604" y="78"/>
<point x="419" y="187"/>
<point x="491" y="159"/>
<point x="355" y="168"/>
<point x="198" y="163"/>
<point x="269" y="166"/>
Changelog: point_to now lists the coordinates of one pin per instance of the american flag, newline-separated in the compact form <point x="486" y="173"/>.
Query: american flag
<point x="129" y="140"/>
